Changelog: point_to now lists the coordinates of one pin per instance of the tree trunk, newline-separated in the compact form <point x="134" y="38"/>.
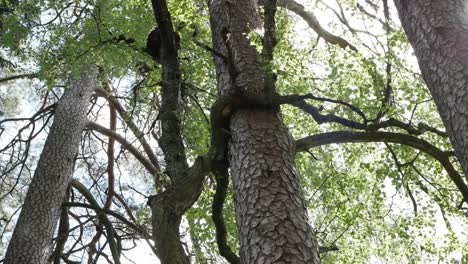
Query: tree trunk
<point x="32" y="238"/>
<point x="169" y="206"/>
<point x="438" y="32"/>
<point x="271" y="214"/>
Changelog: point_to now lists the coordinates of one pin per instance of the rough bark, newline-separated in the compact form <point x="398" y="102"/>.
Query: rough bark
<point x="169" y="206"/>
<point x="271" y="214"/>
<point x="438" y="32"/>
<point x="32" y="238"/>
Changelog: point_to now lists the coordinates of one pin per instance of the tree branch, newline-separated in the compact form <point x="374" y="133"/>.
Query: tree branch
<point x="323" y="249"/>
<point x="299" y="101"/>
<point x="102" y="218"/>
<point x="110" y="158"/>
<point x="399" y="138"/>
<point x="20" y="76"/>
<point x="313" y="22"/>
<point x="222" y="182"/>
<point x="62" y="234"/>
<point x="269" y="43"/>
<point x="133" y="127"/>
<point x="320" y="118"/>
<point x="127" y="145"/>
<point x="290" y="99"/>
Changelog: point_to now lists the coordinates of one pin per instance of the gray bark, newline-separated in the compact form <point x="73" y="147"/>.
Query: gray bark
<point x="270" y="210"/>
<point x="438" y="32"/>
<point x="271" y="215"/>
<point x="32" y="238"/>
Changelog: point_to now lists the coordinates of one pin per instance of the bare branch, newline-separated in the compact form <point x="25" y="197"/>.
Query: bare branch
<point x="127" y="145"/>
<point x="313" y="22"/>
<point x="20" y="76"/>
<point x="110" y="158"/>
<point x="133" y="127"/>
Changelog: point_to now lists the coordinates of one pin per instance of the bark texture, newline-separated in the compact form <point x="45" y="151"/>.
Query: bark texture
<point x="271" y="214"/>
<point x="169" y="206"/>
<point x="438" y="32"/>
<point x="32" y="238"/>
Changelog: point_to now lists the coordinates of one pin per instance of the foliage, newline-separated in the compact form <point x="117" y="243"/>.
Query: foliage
<point x="374" y="201"/>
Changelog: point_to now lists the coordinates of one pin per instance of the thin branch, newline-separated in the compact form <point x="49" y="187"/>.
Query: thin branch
<point x="363" y="10"/>
<point x="100" y="210"/>
<point x="320" y="118"/>
<point x="133" y="127"/>
<point x="110" y="158"/>
<point x="313" y="22"/>
<point x="125" y="144"/>
<point x="20" y="76"/>
<point x="207" y="48"/>
<point x="111" y="234"/>
<point x="425" y="127"/>
<point x="323" y="249"/>
<point x="295" y="98"/>
<point x="299" y="101"/>
<point x="402" y="174"/>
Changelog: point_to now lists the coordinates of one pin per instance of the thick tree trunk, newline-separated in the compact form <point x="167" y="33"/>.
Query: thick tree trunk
<point x="32" y="239"/>
<point x="271" y="214"/>
<point x="438" y="32"/>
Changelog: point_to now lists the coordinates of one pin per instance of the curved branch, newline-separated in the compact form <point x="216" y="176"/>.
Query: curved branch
<point x="108" y="212"/>
<point x="127" y="145"/>
<point x="399" y="138"/>
<point x="299" y="102"/>
<point x="222" y="182"/>
<point x="313" y="22"/>
<point x="139" y="135"/>
<point x="294" y="98"/>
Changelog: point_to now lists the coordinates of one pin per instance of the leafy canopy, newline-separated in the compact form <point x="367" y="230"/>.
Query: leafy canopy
<point x="374" y="201"/>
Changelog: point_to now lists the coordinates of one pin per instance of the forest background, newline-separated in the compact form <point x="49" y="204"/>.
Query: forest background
<point x="345" y="73"/>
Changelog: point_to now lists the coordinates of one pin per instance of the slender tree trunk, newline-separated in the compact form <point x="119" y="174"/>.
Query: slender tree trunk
<point x="271" y="214"/>
<point x="438" y="32"/>
<point x="32" y="238"/>
<point x="169" y="206"/>
<point x="166" y="213"/>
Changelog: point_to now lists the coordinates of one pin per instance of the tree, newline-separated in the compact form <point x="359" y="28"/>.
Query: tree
<point x="219" y="102"/>
<point x="270" y="210"/>
<point x="437" y="32"/>
<point x="36" y="224"/>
